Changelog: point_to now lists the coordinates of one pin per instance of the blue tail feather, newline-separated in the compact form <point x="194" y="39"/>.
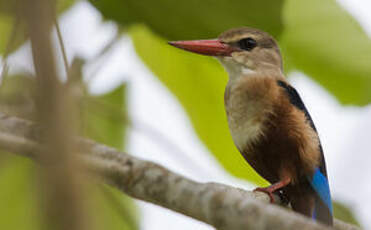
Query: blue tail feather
<point x="323" y="204"/>
<point x="320" y="184"/>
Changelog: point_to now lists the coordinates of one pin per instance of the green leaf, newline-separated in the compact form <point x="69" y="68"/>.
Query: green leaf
<point x="13" y="33"/>
<point x="116" y="210"/>
<point x="318" y="38"/>
<point x="198" y="82"/>
<point x="63" y="5"/>
<point x="194" y="19"/>
<point x="325" y="42"/>
<point x="344" y="213"/>
<point x="18" y="195"/>
<point x="104" y="118"/>
<point x="20" y="205"/>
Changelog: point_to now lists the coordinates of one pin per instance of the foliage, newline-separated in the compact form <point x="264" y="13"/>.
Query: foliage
<point x="18" y="175"/>
<point x="13" y="29"/>
<point x="194" y="19"/>
<point x="322" y="40"/>
<point x="103" y="119"/>
<point x="343" y="212"/>
<point x="303" y="30"/>
<point x="316" y="37"/>
<point x="19" y="208"/>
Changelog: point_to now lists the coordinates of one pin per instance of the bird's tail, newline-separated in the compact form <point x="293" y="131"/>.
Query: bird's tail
<point x="322" y="210"/>
<point x="312" y="198"/>
<point x="311" y="205"/>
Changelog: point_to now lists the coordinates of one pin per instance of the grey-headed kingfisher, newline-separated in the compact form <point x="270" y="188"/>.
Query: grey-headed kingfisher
<point x="268" y="121"/>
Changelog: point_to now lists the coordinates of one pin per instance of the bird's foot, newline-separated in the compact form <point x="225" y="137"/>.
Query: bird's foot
<point x="283" y="196"/>
<point x="268" y="191"/>
<point x="276" y="187"/>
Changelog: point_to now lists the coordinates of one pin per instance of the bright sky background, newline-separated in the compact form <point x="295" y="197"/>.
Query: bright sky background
<point x="345" y="131"/>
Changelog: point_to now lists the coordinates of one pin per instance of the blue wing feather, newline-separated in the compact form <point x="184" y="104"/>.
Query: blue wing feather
<point x="318" y="181"/>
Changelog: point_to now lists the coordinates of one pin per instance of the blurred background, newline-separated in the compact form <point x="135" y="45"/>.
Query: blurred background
<point x="142" y="96"/>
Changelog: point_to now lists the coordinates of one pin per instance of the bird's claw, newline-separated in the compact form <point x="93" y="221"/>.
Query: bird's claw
<point x="266" y="191"/>
<point x="284" y="199"/>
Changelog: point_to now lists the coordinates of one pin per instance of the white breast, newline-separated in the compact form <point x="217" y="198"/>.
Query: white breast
<point x="245" y="117"/>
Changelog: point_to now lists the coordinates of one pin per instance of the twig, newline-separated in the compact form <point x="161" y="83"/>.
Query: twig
<point x="105" y="51"/>
<point x="61" y="45"/>
<point x="221" y="206"/>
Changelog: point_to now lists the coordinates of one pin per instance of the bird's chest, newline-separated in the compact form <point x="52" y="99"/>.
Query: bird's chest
<point x="246" y="115"/>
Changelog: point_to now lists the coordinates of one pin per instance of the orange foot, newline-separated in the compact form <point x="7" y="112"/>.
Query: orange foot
<point x="273" y="188"/>
<point x="268" y="191"/>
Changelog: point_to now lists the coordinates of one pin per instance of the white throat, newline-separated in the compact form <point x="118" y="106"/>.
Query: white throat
<point x="234" y="69"/>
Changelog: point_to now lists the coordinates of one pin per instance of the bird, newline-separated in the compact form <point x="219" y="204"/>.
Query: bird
<point x="268" y="121"/>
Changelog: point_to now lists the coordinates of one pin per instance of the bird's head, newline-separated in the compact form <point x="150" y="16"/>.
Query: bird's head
<point x="241" y="51"/>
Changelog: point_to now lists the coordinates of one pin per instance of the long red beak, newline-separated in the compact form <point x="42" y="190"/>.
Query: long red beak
<point x="205" y="47"/>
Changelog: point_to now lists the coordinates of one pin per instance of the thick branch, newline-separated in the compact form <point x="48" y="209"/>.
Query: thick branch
<point x="221" y="206"/>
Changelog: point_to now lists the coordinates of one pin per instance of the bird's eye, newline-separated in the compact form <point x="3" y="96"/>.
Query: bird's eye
<point x="247" y="44"/>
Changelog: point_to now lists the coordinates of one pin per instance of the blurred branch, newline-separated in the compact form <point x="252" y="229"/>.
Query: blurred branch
<point x="219" y="205"/>
<point x="61" y="191"/>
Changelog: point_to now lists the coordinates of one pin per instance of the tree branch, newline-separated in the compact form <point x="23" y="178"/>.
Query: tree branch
<point x="221" y="206"/>
<point x="61" y="189"/>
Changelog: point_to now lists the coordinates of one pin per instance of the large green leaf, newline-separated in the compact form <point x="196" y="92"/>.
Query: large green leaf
<point x="198" y="82"/>
<point x="324" y="41"/>
<point x="318" y="38"/>
<point x="195" y="19"/>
